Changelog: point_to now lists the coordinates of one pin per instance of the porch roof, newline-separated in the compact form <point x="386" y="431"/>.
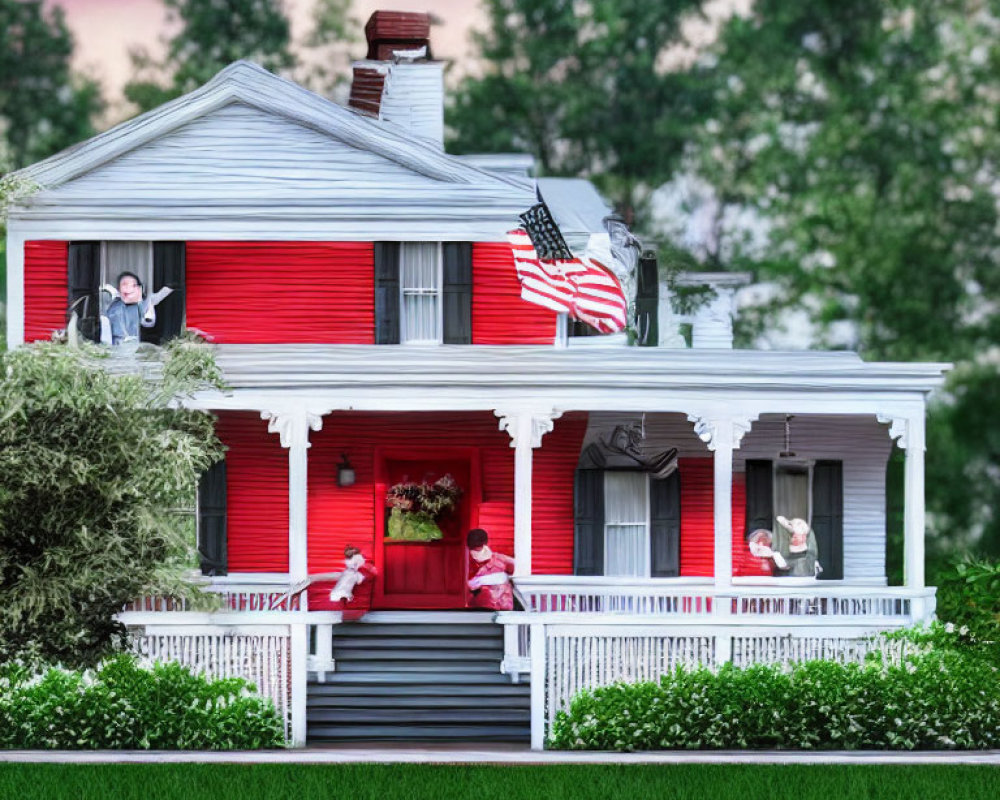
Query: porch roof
<point x="310" y="367"/>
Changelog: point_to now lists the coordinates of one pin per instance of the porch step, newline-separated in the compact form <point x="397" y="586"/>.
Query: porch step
<point x="423" y="680"/>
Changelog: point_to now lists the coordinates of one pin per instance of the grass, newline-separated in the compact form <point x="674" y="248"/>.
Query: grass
<point x="556" y="782"/>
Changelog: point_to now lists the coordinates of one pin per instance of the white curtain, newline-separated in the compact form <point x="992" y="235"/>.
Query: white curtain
<point x="420" y="282"/>
<point x="791" y="491"/>
<point x="136" y="257"/>
<point x="626" y="529"/>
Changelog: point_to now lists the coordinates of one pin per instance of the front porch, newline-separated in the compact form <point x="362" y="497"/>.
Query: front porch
<point x="520" y="420"/>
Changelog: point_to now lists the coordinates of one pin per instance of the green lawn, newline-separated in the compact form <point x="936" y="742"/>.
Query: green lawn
<point x="391" y="781"/>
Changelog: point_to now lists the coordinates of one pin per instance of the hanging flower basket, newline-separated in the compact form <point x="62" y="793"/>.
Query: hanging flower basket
<point x="416" y="508"/>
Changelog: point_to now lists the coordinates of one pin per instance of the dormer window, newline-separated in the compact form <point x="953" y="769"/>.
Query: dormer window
<point x="420" y="283"/>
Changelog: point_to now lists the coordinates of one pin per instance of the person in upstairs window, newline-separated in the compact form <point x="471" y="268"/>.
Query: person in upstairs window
<point x="129" y="310"/>
<point x="489" y="574"/>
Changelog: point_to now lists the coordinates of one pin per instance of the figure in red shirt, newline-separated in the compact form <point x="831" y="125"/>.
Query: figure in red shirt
<point x="489" y="574"/>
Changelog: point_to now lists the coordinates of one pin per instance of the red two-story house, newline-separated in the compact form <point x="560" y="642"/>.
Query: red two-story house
<point x="357" y="285"/>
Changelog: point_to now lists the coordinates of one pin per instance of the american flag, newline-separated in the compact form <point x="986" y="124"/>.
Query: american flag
<point x="585" y="287"/>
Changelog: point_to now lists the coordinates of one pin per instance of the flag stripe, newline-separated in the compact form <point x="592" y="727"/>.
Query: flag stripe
<point x="584" y="288"/>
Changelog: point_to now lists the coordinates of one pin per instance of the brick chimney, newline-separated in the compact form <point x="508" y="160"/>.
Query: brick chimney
<point x="398" y="81"/>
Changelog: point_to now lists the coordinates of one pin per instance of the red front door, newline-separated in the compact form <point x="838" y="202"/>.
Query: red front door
<point x="425" y="574"/>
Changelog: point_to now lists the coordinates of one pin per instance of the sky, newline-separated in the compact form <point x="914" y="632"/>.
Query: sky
<point x="105" y="30"/>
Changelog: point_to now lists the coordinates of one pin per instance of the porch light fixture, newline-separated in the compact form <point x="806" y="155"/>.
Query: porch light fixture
<point x="345" y="472"/>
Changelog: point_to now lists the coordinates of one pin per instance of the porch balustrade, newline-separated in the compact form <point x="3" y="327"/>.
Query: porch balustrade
<point x="681" y="599"/>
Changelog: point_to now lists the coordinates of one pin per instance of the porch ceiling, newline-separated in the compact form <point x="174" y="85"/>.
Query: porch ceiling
<point x="545" y="368"/>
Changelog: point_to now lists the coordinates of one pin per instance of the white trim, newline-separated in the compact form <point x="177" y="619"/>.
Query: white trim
<point x="15" y="286"/>
<point x="429" y="617"/>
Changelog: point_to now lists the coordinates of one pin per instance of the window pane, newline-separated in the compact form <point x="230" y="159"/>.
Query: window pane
<point x="627" y="550"/>
<point x="791" y="491"/>
<point x="626" y="532"/>
<point x="419" y="278"/>
<point x="121" y="257"/>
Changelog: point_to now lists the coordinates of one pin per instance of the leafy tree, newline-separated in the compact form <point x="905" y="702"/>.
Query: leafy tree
<point x="96" y="470"/>
<point x="44" y="106"/>
<point x="861" y="138"/>
<point x="212" y="34"/>
<point x="585" y="88"/>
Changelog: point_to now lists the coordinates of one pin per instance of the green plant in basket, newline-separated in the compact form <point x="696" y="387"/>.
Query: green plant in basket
<point x="416" y="507"/>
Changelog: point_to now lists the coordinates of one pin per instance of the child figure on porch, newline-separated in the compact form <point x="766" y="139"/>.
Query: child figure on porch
<point x="760" y="544"/>
<point x="356" y="570"/>
<point x="489" y="574"/>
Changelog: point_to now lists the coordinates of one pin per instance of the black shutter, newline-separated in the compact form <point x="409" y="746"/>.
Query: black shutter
<point x="760" y="495"/>
<point x="457" y="293"/>
<point x="665" y="526"/>
<point x="647" y="299"/>
<point x="83" y="282"/>
<point x="168" y="270"/>
<point x="828" y="517"/>
<point x="588" y="530"/>
<point x="386" y="292"/>
<point x="212" y="519"/>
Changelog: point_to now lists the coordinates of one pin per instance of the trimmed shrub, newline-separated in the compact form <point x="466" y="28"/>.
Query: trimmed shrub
<point x="121" y="705"/>
<point x="937" y="698"/>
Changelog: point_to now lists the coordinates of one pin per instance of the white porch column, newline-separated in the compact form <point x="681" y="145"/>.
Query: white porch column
<point x="293" y="426"/>
<point x="914" y="513"/>
<point x="722" y="435"/>
<point x="908" y="431"/>
<point x="526" y="428"/>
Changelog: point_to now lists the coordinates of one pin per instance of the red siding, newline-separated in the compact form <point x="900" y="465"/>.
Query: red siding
<point x="499" y="315"/>
<point x="256" y="494"/>
<point x="698" y="520"/>
<point x="697" y="517"/>
<point x="342" y="516"/>
<point x="282" y="292"/>
<point x="553" y="468"/>
<point x="45" y="292"/>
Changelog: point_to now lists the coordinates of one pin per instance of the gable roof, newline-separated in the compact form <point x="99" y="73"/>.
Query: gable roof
<point x="252" y="85"/>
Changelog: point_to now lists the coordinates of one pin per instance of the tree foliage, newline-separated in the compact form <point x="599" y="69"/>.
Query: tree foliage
<point x="211" y="35"/>
<point x="582" y="86"/>
<point x="97" y="482"/>
<point x="862" y="137"/>
<point x="44" y="105"/>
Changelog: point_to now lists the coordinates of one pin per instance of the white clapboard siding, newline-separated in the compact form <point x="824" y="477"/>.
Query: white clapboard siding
<point x="253" y="156"/>
<point x="860" y="442"/>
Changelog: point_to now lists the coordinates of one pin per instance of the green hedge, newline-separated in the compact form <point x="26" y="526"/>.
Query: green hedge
<point x="939" y="698"/>
<point x="123" y="706"/>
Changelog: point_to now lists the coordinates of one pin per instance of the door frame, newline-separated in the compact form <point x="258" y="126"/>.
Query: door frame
<point x="472" y="496"/>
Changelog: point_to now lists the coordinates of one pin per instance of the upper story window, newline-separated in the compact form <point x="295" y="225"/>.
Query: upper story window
<point x="156" y="267"/>
<point x="423" y="293"/>
<point x="420" y="285"/>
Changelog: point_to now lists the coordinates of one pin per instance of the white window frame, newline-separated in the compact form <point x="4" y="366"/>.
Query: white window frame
<point x="437" y="292"/>
<point x="647" y="523"/>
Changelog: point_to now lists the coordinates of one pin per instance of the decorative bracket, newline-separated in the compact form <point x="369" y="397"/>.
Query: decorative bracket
<point x="293" y="425"/>
<point x="711" y="430"/>
<point x="531" y="424"/>
<point x="898" y="429"/>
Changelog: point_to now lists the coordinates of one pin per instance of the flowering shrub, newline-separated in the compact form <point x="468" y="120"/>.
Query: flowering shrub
<point x="939" y="697"/>
<point x="123" y="706"/>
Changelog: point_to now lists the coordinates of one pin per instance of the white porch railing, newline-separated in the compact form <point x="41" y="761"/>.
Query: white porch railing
<point x="231" y="597"/>
<point x="689" y="599"/>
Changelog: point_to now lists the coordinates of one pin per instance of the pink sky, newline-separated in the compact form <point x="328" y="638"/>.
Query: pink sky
<point x="105" y="30"/>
